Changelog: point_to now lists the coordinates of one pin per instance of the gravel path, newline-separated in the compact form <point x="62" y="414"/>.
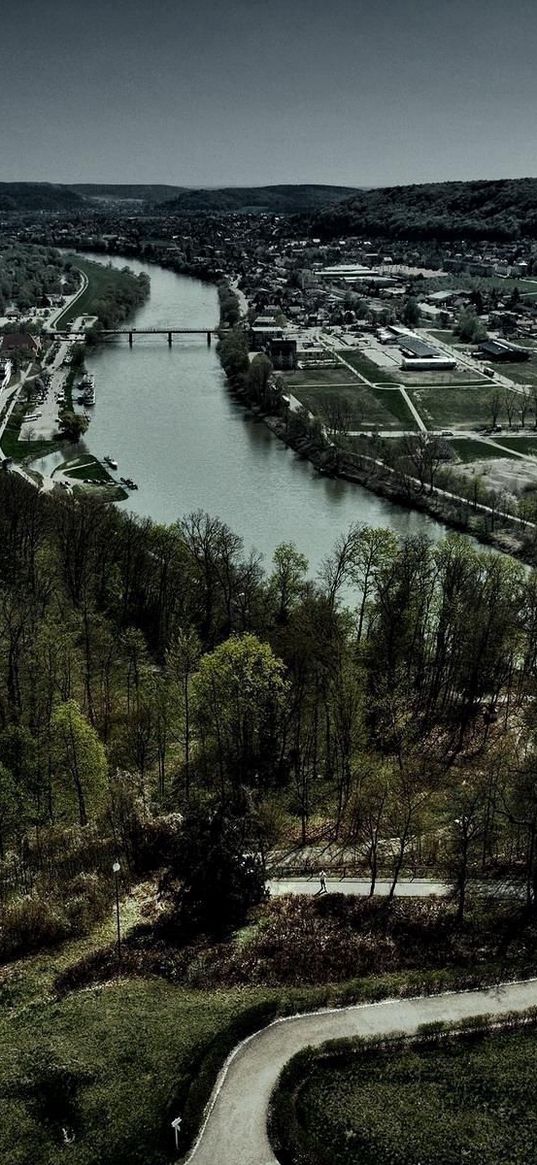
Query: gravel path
<point x="234" y="1132"/>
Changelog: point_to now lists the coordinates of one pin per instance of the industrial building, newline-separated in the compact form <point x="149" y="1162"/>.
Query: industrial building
<point x="500" y="352"/>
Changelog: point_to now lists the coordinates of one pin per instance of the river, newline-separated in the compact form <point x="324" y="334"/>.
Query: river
<point x="167" y="417"/>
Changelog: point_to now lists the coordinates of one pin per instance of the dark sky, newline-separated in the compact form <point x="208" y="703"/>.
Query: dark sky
<point x="253" y="91"/>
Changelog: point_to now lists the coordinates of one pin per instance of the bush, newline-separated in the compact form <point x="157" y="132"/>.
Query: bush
<point x="43" y="918"/>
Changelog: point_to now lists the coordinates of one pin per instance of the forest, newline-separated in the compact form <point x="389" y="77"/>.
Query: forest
<point x="149" y="671"/>
<point x="488" y="210"/>
<point x="28" y="273"/>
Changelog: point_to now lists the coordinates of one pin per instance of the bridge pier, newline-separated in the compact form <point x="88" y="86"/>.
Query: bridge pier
<point x="130" y="339"/>
<point x="169" y="339"/>
<point x="208" y="339"/>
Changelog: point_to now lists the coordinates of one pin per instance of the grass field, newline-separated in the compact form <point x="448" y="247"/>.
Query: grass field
<point x="395" y="402"/>
<point x="472" y="1100"/>
<point x="367" y="408"/>
<point x="520" y="444"/>
<point x="12" y="446"/>
<point x="320" y="376"/>
<point x="367" y="368"/>
<point x="455" y="407"/>
<point x="447" y="337"/>
<point x="429" y="379"/>
<point x="524" y="373"/>
<point x="470" y="450"/>
<point x="87" y="467"/>
<point x="102" y="281"/>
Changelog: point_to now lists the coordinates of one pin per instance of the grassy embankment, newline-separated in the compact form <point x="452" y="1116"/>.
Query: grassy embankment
<point x="111" y="294"/>
<point x="436" y="1101"/>
<point x="116" y="1060"/>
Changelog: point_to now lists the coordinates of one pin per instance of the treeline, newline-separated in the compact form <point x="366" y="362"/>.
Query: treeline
<point x="29" y="273"/>
<point x="112" y="295"/>
<point x="497" y="211"/>
<point x="146" y="669"/>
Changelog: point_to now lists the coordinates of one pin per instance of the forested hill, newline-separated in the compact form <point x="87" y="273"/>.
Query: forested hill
<point x="22" y="196"/>
<point x="271" y="199"/>
<point x="504" y="209"/>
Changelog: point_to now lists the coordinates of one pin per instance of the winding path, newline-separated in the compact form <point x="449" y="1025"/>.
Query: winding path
<point x="234" y="1130"/>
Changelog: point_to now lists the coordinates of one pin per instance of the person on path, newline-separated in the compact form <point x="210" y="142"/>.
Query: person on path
<point x="322" y="879"/>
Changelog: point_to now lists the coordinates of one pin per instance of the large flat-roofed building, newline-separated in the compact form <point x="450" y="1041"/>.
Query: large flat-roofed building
<point x="500" y="352"/>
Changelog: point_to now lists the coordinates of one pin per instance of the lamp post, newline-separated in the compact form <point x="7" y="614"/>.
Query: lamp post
<point x="116" y="868"/>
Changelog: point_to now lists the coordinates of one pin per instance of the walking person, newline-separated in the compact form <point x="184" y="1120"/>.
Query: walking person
<point x="322" y="880"/>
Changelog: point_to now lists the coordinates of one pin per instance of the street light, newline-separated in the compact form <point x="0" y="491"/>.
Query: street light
<point x="116" y="868"/>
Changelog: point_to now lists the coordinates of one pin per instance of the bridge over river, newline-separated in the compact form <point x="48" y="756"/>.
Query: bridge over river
<point x="62" y="334"/>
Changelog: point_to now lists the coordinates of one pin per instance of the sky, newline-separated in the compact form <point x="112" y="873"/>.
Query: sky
<point x="248" y="92"/>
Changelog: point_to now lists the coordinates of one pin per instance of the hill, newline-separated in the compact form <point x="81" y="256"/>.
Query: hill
<point x="505" y="209"/>
<point x="130" y="191"/>
<point x="21" y="196"/>
<point x="272" y="199"/>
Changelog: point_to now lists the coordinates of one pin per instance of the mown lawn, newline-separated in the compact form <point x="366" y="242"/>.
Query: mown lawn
<point x="523" y="373"/>
<point x="12" y="446"/>
<point x="461" y="408"/>
<point x="520" y="444"/>
<point x="367" y="408"/>
<point x="470" y="1100"/>
<point x="469" y="450"/>
<point x="319" y="376"/>
<point x="367" y="367"/>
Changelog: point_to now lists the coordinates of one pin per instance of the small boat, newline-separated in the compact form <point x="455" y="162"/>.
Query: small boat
<point x="110" y="461"/>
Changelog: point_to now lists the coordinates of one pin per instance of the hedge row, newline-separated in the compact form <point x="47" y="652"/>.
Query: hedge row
<point x="287" y="1134"/>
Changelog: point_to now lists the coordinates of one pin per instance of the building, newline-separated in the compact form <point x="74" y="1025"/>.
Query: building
<point x="282" y="352"/>
<point x="500" y="352"/>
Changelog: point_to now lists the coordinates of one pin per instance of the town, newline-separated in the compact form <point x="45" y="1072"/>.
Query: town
<point x="415" y="355"/>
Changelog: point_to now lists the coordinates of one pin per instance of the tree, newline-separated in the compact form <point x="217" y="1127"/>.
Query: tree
<point x="259" y="375"/>
<point x="411" y="313"/>
<point x="509" y="404"/>
<point x="73" y="426"/>
<point x="495" y="402"/>
<point x="288" y="578"/>
<point x="215" y="875"/>
<point x="238" y="694"/>
<point x="468" y="327"/>
<point x="79" y="760"/>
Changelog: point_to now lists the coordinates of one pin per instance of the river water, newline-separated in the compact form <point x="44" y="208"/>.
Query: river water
<point x="168" y="419"/>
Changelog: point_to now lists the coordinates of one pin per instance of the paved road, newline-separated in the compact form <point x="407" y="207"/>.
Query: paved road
<point x="234" y="1132"/>
<point x="406" y="888"/>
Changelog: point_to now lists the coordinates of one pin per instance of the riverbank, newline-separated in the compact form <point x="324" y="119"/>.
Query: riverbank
<point x="255" y="387"/>
<point x="457" y="512"/>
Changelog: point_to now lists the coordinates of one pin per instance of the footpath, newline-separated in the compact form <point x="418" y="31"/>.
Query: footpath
<point x="235" y="1126"/>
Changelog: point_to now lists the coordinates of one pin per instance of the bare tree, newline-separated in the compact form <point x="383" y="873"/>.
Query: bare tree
<point x="509" y="404"/>
<point x="495" y="402"/>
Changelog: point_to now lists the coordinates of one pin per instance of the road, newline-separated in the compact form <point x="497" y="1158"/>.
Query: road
<point x="234" y="1130"/>
<point x="358" y="887"/>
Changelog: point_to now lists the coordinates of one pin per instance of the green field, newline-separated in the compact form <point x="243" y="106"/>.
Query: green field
<point x="519" y="444"/>
<point x="87" y="467"/>
<point x="469" y="450"/>
<point x="319" y="376"/>
<point x="524" y="373"/>
<point x="453" y="408"/>
<point x="447" y="337"/>
<point x="13" y="447"/>
<point x="367" y="408"/>
<point x="471" y="1100"/>
<point x="127" y="1051"/>
<point x="430" y="379"/>
<point x="103" y="282"/>
<point x="367" y="368"/>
